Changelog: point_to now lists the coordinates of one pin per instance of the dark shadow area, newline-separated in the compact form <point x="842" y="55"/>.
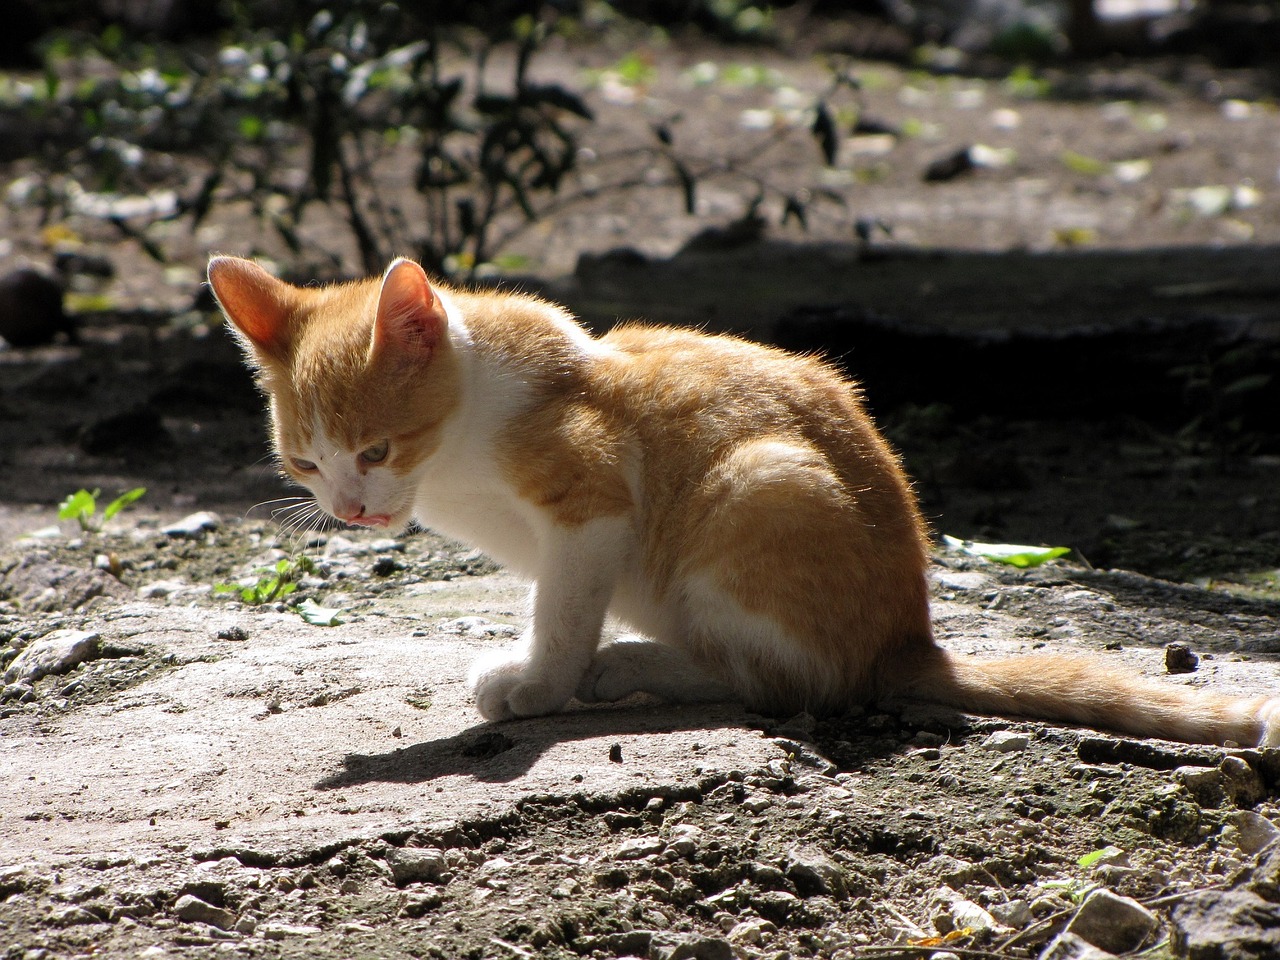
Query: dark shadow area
<point x="502" y="752"/>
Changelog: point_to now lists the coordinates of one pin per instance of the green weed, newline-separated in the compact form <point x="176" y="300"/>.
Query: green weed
<point x="82" y="507"/>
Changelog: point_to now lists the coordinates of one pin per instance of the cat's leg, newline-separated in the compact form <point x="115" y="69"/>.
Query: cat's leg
<point x="634" y="665"/>
<point x="578" y="569"/>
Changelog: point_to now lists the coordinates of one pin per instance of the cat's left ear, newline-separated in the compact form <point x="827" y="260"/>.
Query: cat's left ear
<point x="411" y="320"/>
<point x="260" y="306"/>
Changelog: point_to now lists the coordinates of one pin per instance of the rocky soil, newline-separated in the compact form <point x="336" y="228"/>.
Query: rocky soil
<point x="191" y="774"/>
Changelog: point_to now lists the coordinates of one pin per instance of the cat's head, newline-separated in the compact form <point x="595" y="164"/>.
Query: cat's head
<point x="360" y="379"/>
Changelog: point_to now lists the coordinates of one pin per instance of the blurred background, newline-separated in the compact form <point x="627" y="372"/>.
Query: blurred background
<point x="1043" y="235"/>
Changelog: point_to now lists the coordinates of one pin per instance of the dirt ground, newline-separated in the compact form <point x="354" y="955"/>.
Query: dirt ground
<point x="326" y="791"/>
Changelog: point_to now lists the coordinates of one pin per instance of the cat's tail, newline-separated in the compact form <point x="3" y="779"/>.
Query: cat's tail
<point x="1080" y="690"/>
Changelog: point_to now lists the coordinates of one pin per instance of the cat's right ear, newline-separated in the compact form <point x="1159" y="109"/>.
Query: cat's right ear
<point x="259" y="305"/>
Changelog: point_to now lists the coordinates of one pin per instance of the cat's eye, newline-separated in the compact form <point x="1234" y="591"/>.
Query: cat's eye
<point x="303" y="466"/>
<point x="375" y="454"/>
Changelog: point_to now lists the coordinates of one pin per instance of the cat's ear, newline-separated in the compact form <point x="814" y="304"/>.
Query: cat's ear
<point x="410" y="320"/>
<point x="260" y="306"/>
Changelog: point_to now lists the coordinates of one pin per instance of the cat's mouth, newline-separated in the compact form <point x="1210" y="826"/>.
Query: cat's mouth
<point x="369" y="520"/>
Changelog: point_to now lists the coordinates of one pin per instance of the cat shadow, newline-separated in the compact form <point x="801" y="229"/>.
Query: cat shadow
<point x="502" y="752"/>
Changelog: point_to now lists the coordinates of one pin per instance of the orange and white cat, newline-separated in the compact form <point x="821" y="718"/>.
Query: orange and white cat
<point x="733" y="504"/>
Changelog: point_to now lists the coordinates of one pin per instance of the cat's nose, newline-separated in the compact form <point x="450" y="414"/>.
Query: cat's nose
<point x="349" y="513"/>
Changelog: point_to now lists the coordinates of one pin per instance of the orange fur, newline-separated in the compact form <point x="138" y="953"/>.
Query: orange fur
<point x="731" y="501"/>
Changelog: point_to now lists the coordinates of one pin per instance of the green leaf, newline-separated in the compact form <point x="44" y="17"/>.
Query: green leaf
<point x="1089" y="859"/>
<point x="319" y="616"/>
<point x="122" y="501"/>
<point x="1015" y="555"/>
<point x="79" y="506"/>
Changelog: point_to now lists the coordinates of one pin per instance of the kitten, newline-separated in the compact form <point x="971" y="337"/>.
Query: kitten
<point x="730" y="502"/>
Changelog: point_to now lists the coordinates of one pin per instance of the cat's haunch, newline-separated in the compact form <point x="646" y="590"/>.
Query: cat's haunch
<point x="730" y="502"/>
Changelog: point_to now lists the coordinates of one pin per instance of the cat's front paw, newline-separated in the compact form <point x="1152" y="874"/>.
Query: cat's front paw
<point x="509" y="689"/>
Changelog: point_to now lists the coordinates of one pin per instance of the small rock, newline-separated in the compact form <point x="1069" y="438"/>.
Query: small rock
<point x="950" y="166"/>
<point x="1179" y="658"/>
<point x="1112" y="922"/>
<point x="420" y="904"/>
<point x="757" y="803"/>
<point x="813" y="872"/>
<point x="21" y="692"/>
<point x="1006" y="741"/>
<point x="54" y="653"/>
<point x="965" y="913"/>
<point x="1015" y="914"/>
<point x="1068" y="946"/>
<point x="193" y="525"/>
<point x="1254" y="832"/>
<point x="615" y="753"/>
<point x="685" y="838"/>
<point x="31" y="312"/>
<point x="1225" y="925"/>
<point x="1203" y="783"/>
<point x="752" y="931"/>
<point x="416" y="864"/>
<point x="776" y="905"/>
<point x="1241" y="782"/>
<point x="233" y="634"/>
<point x="75" y="916"/>
<point x="194" y="910"/>
<point x="283" y="931"/>
<point x="639" y="847"/>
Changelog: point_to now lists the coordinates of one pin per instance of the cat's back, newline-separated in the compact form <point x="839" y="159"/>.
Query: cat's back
<point x="722" y="388"/>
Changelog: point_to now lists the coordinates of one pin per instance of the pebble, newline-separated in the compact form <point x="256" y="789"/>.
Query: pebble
<point x="1203" y="783"/>
<point x="1254" y="832"/>
<point x="1006" y="741"/>
<point x="751" y="931"/>
<point x="814" y="872"/>
<point x="1015" y="914"/>
<point x="194" y="910"/>
<point x="1179" y="658"/>
<point x="965" y="914"/>
<point x="21" y="692"/>
<point x="1112" y="922"/>
<point x="685" y="839"/>
<point x="54" y="653"/>
<point x="283" y="931"/>
<point x="193" y="525"/>
<point x="416" y="864"/>
<point x="639" y="847"/>
<point x="1242" y="782"/>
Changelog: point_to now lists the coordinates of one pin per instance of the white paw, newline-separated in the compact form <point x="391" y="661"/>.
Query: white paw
<point x="509" y="688"/>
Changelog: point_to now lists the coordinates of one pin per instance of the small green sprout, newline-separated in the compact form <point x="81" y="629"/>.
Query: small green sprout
<point x="82" y="507"/>
<point x="275" y="583"/>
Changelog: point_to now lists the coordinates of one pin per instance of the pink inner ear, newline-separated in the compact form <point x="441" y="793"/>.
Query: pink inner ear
<point x="410" y="316"/>
<point x="256" y="302"/>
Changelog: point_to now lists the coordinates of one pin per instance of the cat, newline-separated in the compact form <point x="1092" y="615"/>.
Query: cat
<point x="730" y="502"/>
